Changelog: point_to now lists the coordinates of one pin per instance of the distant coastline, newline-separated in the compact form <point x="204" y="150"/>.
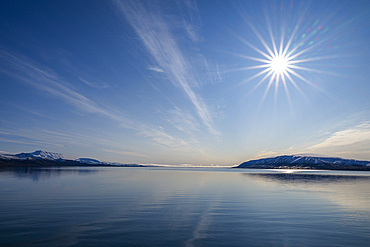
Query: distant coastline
<point x="41" y="158"/>
<point x="56" y="163"/>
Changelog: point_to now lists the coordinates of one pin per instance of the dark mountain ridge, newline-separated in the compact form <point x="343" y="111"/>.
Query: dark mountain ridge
<point x="43" y="158"/>
<point x="307" y="162"/>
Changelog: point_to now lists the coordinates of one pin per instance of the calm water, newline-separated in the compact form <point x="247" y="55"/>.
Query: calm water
<point x="183" y="207"/>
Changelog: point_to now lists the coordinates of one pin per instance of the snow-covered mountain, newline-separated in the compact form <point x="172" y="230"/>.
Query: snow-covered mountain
<point x="39" y="154"/>
<point x="306" y="161"/>
<point x="44" y="158"/>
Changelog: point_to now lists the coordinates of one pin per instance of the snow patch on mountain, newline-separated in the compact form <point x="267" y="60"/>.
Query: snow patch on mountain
<point x="89" y="161"/>
<point x="39" y="154"/>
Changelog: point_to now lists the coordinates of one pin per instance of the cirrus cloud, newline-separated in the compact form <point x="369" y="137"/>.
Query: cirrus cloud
<point x="354" y="135"/>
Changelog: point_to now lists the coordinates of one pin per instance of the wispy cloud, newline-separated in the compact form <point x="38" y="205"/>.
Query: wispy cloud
<point x="192" y="20"/>
<point x="193" y="35"/>
<point x="44" y="79"/>
<point x="183" y="120"/>
<point x="41" y="137"/>
<point x="156" y="69"/>
<point x="265" y="154"/>
<point x="213" y="71"/>
<point x="163" y="139"/>
<point x="28" y="141"/>
<point x="351" y="136"/>
<point x="94" y="84"/>
<point x="155" y="33"/>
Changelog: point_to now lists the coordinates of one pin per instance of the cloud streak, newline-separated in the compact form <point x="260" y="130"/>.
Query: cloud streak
<point x="265" y="154"/>
<point x="156" y="69"/>
<point x="94" y="84"/>
<point x="183" y="120"/>
<point x="155" y="33"/>
<point x="44" y="79"/>
<point x="355" y="135"/>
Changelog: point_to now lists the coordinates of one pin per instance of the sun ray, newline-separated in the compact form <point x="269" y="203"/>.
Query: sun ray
<point x="298" y="46"/>
<point x="250" y="45"/>
<point x="290" y="54"/>
<point x="298" y="53"/>
<point x="296" y="28"/>
<point x="256" y="59"/>
<point x="281" y="44"/>
<point x="255" y="76"/>
<point x="302" y="78"/>
<point x="267" y="89"/>
<point x="253" y="58"/>
<point x="276" y="88"/>
<point x="293" y="82"/>
<point x="253" y="67"/>
<point x="258" y="66"/>
<point x="262" y="80"/>
<point x="306" y="69"/>
<point x="287" y="92"/>
<point x="271" y="34"/>
<point x="262" y="40"/>
<point x="258" y="50"/>
<point x="310" y="59"/>
<point x="250" y="68"/>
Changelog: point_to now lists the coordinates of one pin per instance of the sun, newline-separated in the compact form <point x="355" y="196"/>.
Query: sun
<point x="282" y="60"/>
<point x="287" y="54"/>
<point x="279" y="64"/>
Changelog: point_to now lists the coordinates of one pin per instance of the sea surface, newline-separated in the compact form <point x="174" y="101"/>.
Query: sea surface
<point x="106" y="206"/>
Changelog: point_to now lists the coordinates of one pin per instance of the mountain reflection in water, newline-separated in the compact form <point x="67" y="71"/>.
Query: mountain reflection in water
<point x="349" y="192"/>
<point x="44" y="173"/>
<point x="306" y="178"/>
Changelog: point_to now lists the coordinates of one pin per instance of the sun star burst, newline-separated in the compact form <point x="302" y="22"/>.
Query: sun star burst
<point x="281" y="57"/>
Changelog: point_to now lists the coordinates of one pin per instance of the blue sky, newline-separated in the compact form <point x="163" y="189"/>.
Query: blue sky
<point x="185" y="82"/>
